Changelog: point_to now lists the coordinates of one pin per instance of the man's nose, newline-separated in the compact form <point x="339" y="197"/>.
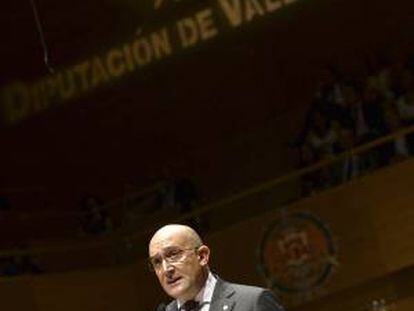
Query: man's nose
<point x="166" y="266"/>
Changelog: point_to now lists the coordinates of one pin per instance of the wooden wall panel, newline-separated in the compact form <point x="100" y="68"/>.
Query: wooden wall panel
<point x="370" y="219"/>
<point x="16" y="294"/>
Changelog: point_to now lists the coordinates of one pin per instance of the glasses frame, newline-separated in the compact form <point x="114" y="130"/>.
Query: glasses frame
<point x="170" y="260"/>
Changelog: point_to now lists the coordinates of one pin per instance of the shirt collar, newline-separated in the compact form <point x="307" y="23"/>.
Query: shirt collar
<point x="206" y="293"/>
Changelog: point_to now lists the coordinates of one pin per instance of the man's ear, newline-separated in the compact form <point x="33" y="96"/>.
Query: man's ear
<point x="204" y="255"/>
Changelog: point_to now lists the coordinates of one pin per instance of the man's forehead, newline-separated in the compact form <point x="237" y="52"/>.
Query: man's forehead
<point x="166" y="239"/>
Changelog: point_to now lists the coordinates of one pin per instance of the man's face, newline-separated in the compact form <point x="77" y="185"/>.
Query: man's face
<point x="181" y="279"/>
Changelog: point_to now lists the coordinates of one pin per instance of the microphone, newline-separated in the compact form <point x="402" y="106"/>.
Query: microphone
<point x="161" y="307"/>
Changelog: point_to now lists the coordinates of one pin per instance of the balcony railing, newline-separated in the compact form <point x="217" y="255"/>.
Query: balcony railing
<point x="128" y="241"/>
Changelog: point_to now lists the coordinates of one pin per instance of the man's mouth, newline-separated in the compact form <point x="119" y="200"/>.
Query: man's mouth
<point x="173" y="281"/>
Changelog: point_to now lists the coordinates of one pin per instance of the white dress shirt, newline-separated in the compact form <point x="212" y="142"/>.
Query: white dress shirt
<point x="205" y="295"/>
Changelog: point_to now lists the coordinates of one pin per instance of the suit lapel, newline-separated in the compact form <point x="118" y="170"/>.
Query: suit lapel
<point x="222" y="299"/>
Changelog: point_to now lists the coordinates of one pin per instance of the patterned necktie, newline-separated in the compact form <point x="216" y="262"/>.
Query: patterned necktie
<point x="190" y="305"/>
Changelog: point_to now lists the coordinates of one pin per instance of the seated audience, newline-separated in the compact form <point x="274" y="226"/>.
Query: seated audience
<point x="349" y="112"/>
<point x="95" y="218"/>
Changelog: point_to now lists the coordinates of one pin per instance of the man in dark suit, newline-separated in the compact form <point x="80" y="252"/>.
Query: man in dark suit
<point x="180" y="260"/>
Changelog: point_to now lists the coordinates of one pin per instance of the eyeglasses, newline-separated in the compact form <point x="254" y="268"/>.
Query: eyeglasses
<point x="171" y="256"/>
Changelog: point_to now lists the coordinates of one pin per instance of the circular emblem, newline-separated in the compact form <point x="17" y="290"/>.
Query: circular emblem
<point x="297" y="253"/>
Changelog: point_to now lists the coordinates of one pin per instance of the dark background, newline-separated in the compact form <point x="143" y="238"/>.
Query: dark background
<point x="223" y="112"/>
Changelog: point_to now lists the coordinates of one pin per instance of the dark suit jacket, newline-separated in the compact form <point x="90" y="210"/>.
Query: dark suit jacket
<point x="237" y="297"/>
